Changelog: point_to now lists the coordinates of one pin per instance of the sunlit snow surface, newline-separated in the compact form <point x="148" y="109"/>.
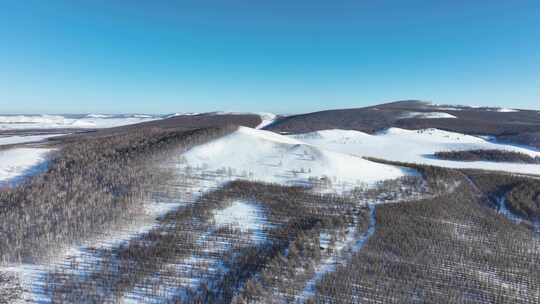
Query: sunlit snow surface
<point x="415" y="146"/>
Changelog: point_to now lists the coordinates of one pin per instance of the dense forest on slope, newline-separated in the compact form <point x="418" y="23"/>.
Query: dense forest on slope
<point x="91" y="185"/>
<point x="449" y="249"/>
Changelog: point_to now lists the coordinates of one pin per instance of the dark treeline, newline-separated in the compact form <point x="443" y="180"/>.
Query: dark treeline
<point x="488" y="155"/>
<point x="91" y="185"/>
<point x="522" y="195"/>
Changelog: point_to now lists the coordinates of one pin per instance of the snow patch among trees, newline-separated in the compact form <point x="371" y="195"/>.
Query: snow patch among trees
<point x="248" y="217"/>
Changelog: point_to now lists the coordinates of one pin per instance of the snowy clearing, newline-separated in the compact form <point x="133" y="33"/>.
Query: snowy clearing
<point x="247" y="217"/>
<point x="269" y="157"/>
<point x="18" y="163"/>
<point x="415" y="146"/>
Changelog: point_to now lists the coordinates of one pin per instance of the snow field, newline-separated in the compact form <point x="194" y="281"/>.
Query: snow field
<point x="91" y="121"/>
<point x="415" y="146"/>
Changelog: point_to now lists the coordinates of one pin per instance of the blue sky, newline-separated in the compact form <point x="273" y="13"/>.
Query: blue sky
<point x="160" y="56"/>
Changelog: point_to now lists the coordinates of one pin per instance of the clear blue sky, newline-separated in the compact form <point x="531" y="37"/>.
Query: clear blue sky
<point x="162" y="56"/>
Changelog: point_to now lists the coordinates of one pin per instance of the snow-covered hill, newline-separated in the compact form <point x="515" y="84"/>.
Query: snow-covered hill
<point x="270" y="157"/>
<point x="415" y="146"/>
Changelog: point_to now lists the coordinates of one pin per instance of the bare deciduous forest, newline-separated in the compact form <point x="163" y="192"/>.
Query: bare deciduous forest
<point x="91" y="185"/>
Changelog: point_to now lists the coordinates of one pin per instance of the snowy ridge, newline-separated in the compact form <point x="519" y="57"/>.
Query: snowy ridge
<point x="270" y="157"/>
<point x="415" y="146"/>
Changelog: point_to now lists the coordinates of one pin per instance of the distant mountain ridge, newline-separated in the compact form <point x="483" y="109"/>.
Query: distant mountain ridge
<point x="515" y="126"/>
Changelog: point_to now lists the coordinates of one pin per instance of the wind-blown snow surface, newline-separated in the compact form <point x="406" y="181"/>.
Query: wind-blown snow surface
<point x="91" y="121"/>
<point x="17" y="163"/>
<point x="269" y="157"/>
<point x="415" y="146"/>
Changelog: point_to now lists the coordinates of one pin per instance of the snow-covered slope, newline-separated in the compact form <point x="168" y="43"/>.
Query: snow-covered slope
<point x="17" y="163"/>
<point x="416" y="146"/>
<point x="11" y="122"/>
<point x="270" y="157"/>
